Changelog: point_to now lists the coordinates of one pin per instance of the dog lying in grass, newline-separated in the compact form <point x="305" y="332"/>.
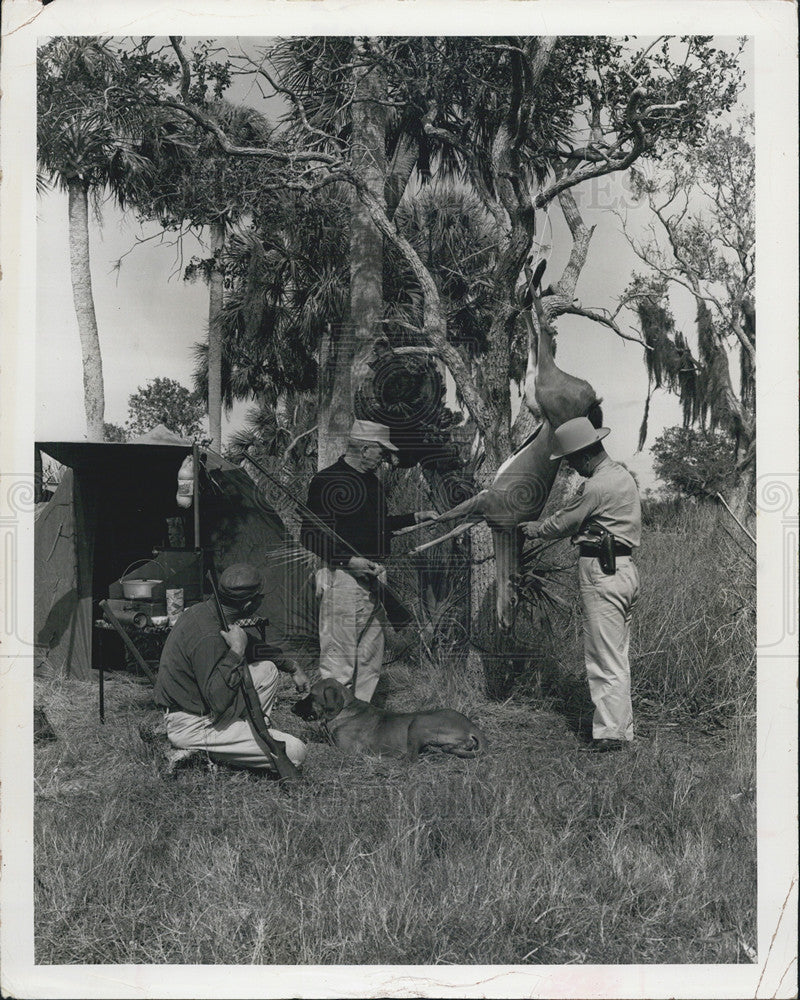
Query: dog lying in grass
<point x="357" y="726"/>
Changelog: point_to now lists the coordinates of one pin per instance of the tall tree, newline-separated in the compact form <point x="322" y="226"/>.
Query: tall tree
<point x="368" y="162"/>
<point x="80" y="150"/>
<point x="356" y="127"/>
<point x="509" y="117"/>
<point x="702" y="202"/>
<point x="203" y="190"/>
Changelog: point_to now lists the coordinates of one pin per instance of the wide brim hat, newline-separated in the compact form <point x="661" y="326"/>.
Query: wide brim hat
<point x="575" y="435"/>
<point x="368" y="430"/>
<point x="240" y="583"/>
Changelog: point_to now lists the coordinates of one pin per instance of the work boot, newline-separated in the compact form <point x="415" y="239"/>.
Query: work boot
<point x="178" y="760"/>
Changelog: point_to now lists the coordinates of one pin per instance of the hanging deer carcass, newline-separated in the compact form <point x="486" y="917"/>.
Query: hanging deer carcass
<point x="523" y="482"/>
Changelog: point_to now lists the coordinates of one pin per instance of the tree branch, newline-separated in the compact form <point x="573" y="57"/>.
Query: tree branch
<point x="613" y="163"/>
<point x="416" y="350"/>
<point x="581" y="237"/>
<point x="294" y="441"/>
<point x="641" y="56"/>
<point x="186" y="75"/>
<point x="434" y="325"/>
<point x="263" y="152"/>
<point x="293" y="97"/>
<point x="598" y="317"/>
<point x="690" y="282"/>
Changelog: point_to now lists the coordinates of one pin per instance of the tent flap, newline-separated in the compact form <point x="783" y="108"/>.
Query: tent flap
<point x="62" y="612"/>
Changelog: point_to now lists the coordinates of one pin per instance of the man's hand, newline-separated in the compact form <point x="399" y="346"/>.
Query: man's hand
<point x="358" y="564"/>
<point x="236" y="638"/>
<point x="421" y="516"/>
<point x="531" y="529"/>
<point x="301" y="681"/>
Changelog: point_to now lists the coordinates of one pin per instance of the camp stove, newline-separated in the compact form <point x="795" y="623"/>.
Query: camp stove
<point x="138" y="613"/>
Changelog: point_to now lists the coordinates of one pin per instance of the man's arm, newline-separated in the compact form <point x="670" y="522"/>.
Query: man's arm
<point x="395" y="522"/>
<point x="301" y="681"/>
<point x="257" y="648"/>
<point x="567" y="521"/>
<point x="217" y="668"/>
<point x="260" y="649"/>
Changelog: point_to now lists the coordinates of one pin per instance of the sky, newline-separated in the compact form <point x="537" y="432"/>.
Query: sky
<point x="149" y="318"/>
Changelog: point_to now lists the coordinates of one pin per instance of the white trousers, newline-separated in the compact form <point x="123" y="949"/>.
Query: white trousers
<point x="607" y="605"/>
<point x="351" y="636"/>
<point x="232" y="743"/>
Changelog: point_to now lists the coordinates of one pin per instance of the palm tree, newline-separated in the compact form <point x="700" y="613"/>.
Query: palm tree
<point x="286" y="277"/>
<point x="80" y="151"/>
<point x="208" y="190"/>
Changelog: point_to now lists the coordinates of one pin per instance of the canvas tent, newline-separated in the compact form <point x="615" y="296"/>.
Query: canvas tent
<point x="112" y="509"/>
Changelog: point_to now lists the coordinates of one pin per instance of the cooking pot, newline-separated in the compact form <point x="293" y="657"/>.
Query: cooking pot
<point x="141" y="590"/>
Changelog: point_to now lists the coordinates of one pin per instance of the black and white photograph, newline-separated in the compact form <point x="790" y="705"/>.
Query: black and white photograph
<point x="400" y="521"/>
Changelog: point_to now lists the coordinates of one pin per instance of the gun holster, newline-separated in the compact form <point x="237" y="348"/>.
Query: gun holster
<point x="600" y="543"/>
<point x="607" y="557"/>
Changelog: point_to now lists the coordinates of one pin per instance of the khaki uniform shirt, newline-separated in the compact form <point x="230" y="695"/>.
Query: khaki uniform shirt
<point x="609" y="497"/>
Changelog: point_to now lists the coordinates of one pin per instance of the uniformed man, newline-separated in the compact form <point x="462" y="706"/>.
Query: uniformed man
<point x="605" y="519"/>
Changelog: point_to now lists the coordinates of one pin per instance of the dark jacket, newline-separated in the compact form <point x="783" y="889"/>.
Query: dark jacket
<point x="353" y="504"/>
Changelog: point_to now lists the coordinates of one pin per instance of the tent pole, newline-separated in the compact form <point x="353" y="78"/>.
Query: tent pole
<point x="196" y="489"/>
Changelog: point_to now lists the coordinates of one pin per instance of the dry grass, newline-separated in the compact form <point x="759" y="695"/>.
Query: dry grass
<point x="537" y="853"/>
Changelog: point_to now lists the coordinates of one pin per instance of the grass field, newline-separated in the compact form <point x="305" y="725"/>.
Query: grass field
<point x="539" y="852"/>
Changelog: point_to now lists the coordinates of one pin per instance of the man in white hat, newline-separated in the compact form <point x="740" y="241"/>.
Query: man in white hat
<point x="605" y="519"/>
<point x="349" y="499"/>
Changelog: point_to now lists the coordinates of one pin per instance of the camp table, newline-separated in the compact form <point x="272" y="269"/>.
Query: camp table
<point x="158" y="632"/>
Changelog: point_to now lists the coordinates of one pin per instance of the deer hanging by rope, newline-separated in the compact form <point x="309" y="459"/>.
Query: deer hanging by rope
<point x="523" y="482"/>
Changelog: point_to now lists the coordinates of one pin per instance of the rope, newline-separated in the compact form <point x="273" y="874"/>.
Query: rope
<point x="539" y="243"/>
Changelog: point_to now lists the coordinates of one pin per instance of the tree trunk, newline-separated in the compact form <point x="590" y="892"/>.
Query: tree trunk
<point x="741" y="499"/>
<point x="335" y="407"/>
<point x="742" y="496"/>
<point x="38" y="477"/>
<point x="93" y="395"/>
<point x="366" y="263"/>
<point x="215" y="302"/>
<point x="326" y="440"/>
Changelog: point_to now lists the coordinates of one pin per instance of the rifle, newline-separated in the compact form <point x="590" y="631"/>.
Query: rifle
<point x="396" y="612"/>
<point x="272" y="748"/>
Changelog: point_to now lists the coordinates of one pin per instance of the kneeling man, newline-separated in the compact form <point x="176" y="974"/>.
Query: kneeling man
<point x="198" y="679"/>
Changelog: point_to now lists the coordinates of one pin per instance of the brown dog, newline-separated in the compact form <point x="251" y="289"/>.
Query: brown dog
<point x="356" y="725"/>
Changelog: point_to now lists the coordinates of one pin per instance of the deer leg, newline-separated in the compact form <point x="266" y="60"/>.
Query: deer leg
<point x="465" y="509"/>
<point x="532" y="369"/>
<point x="443" y="538"/>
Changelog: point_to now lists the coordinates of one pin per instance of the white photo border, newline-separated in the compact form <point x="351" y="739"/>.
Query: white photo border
<point x="773" y="25"/>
